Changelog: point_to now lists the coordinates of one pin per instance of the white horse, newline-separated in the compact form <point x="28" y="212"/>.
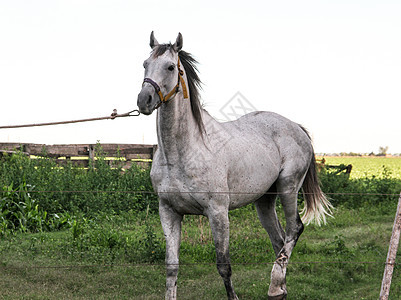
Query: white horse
<point x="205" y="167"/>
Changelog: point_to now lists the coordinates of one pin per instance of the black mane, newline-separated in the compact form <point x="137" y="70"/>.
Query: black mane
<point x="194" y="83"/>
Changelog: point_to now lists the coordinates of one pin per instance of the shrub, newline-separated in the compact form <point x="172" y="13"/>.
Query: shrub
<point x="352" y="193"/>
<point x="68" y="188"/>
<point x="47" y="195"/>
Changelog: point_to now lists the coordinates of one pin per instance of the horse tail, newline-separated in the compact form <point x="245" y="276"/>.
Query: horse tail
<point x="317" y="206"/>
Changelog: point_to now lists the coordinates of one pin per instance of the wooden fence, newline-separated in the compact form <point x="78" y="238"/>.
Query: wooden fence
<point x="321" y="163"/>
<point x="82" y="154"/>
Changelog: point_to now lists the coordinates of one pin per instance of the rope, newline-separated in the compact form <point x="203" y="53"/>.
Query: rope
<point x="133" y="113"/>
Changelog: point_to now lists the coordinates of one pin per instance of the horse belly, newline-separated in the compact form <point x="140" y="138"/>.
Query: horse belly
<point x="251" y="178"/>
<point x="248" y="193"/>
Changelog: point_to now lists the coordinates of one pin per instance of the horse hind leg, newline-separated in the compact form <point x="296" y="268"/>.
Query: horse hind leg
<point x="266" y="208"/>
<point x="287" y="188"/>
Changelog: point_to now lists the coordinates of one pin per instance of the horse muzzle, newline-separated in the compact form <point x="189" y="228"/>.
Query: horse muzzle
<point x="147" y="101"/>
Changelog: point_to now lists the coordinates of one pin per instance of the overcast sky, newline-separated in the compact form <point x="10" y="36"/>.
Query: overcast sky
<point x="332" y="66"/>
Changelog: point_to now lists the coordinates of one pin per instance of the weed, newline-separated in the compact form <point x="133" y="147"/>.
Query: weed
<point x="152" y="248"/>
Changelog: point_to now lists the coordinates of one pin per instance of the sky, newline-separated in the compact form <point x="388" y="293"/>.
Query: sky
<point x="332" y="66"/>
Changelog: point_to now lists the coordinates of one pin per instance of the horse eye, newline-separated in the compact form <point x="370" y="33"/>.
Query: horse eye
<point x="145" y="64"/>
<point x="171" y="68"/>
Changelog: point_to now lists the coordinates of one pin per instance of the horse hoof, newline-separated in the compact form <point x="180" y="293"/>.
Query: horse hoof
<point x="278" y="297"/>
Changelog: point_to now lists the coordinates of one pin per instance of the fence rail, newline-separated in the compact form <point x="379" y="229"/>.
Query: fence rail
<point x="81" y="154"/>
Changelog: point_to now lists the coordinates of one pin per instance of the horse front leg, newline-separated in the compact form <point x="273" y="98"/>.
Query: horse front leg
<point x="218" y="218"/>
<point x="171" y="223"/>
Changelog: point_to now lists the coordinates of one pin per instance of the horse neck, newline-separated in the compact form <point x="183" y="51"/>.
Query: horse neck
<point x="177" y="131"/>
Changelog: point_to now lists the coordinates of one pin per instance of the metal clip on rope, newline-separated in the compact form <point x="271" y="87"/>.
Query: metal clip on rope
<point x="132" y="113"/>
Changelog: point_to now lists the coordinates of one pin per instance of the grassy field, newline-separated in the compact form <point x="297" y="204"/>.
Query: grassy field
<point x="368" y="166"/>
<point x="108" y="244"/>
<point x="122" y="258"/>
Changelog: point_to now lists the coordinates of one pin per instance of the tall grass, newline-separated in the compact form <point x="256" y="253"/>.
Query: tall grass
<point x="19" y="212"/>
<point x="39" y="188"/>
<point x="68" y="188"/>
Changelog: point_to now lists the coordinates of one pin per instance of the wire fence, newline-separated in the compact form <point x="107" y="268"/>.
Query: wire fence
<point x="194" y="192"/>
<point x="210" y="264"/>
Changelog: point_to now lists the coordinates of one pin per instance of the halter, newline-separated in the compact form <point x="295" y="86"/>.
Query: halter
<point x="173" y="91"/>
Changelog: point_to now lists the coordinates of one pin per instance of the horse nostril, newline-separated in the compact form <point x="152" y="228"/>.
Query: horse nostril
<point x="149" y="99"/>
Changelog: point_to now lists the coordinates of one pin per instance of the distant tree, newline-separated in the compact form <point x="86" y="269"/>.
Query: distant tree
<point x="383" y="151"/>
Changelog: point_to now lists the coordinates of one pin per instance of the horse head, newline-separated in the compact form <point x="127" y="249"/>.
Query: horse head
<point x="163" y="75"/>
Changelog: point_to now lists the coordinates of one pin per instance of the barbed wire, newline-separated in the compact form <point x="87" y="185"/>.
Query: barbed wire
<point x="206" y="264"/>
<point x="190" y="192"/>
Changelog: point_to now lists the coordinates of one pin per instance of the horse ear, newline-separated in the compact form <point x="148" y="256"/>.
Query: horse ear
<point x="178" y="43"/>
<point x="153" y="42"/>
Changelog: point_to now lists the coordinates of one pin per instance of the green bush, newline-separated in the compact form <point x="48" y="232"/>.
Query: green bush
<point x="47" y="194"/>
<point x="353" y="193"/>
<point x="68" y="188"/>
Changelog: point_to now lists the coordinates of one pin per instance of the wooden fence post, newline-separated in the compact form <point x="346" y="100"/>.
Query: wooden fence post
<point x="92" y="155"/>
<point x="391" y="255"/>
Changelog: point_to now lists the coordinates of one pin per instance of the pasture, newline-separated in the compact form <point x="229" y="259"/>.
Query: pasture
<point x="368" y="166"/>
<point x="109" y="244"/>
<point x="121" y="257"/>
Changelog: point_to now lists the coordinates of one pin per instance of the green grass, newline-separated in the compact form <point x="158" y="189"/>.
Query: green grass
<point x="102" y="241"/>
<point x="342" y="260"/>
<point x="368" y="166"/>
